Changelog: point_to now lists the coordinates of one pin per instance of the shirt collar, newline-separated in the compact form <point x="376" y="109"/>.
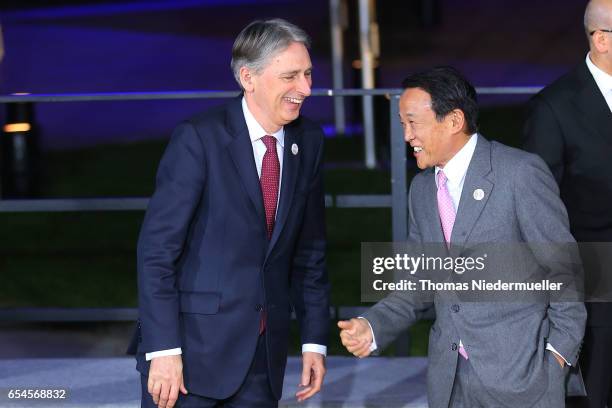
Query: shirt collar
<point x="602" y="78"/>
<point x="456" y="167"/>
<point x="256" y="132"/>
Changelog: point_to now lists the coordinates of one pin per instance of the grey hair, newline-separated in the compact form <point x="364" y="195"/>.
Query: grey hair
<point x="261" y="40"/>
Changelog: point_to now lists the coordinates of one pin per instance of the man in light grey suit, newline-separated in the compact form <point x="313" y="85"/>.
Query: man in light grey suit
<point x="494" y="354"/>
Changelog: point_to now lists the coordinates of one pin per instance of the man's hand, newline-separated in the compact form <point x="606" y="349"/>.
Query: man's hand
<point x="560" y="359"/>
<point x="165" y="380"/>
<point x="313" y="371"/>
<point x="356" y="336"/>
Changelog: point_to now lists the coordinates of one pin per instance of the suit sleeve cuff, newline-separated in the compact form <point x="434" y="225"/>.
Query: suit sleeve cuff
<point x="549" y="347"/>
<point x="162" y="353"/>
<point x="314" y="348"/>
<point x="373" y="346"/>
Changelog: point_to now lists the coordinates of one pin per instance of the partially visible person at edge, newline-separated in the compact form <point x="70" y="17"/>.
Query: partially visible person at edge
<point x="570" y="127"/>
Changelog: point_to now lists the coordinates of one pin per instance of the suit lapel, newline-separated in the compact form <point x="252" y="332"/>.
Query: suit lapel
<point x="477" y="177"/>
<point x="592" y="104"/>
<point x="240" y="149"/>
<point x="291" y="165"/>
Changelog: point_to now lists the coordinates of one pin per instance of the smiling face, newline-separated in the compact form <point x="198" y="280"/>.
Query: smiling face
<point x="275" y="95"/>
<point x="433" y="142"/>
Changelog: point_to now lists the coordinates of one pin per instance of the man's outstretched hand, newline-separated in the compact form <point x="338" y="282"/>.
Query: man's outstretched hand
<point x="356" y="336"/>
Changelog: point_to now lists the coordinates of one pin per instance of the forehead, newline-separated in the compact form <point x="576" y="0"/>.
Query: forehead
<point x="414" y="101"/>
<point x="294" y="57"/>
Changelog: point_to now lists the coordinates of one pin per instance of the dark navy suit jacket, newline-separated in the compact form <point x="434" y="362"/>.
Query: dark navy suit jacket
<point x="205" y="266"/>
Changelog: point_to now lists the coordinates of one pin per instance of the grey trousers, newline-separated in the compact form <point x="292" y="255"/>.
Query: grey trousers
<point x="468" y="391"/>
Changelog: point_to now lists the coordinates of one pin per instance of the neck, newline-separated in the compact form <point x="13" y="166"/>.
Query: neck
<point x="601" y="62"/>
<point x="260" y="116"/>
<point x="460" y="141"/>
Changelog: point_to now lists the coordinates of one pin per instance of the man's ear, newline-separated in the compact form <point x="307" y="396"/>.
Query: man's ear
<point x="601" y="42"/>
<point x="246" y="79"/>
<point x="457" y="120"/>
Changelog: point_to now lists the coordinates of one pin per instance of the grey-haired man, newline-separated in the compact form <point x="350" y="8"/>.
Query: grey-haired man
<point x="234" y="240"/>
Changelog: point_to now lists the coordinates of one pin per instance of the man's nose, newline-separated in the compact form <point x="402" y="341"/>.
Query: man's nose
<point x="408" y="135"/>
<point x="304" y="86"/>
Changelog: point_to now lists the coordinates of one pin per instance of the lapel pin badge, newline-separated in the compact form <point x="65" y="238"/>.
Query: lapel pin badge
<point x="478" y="194"/>
<point x="294" y="149"/>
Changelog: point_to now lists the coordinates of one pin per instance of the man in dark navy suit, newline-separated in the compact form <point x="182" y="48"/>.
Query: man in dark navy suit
<point x="234" y="240"/>
<point x="570" y="126"/>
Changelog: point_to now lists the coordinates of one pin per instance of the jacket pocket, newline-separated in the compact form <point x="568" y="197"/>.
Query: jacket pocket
<point x="200" y="302"/>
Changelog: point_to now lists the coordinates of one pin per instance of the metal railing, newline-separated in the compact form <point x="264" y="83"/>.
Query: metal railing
<point x="397" y="200"/>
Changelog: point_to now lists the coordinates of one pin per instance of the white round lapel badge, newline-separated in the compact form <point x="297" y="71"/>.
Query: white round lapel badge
<point x="478" y="194"/>
<point x="294" y="149"/>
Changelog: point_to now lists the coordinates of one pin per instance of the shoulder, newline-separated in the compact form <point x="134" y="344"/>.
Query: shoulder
<point x="564" y="86"/>
<point x="212" y="124"/>
<point x="420" y="180"/>
<point x="216" y="114"/>
<point x="516" y="164"/>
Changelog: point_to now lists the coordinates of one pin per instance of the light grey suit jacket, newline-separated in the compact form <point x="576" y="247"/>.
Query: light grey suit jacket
<point x="505" y="341"/>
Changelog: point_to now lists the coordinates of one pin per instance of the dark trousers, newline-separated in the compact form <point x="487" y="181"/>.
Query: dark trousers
<point x="255" y="391"/>
<point x="596" y="362"/>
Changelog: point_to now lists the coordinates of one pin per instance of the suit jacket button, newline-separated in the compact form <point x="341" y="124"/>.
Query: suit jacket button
<point x="455" y="308"/>
<point x="454" y="347"/>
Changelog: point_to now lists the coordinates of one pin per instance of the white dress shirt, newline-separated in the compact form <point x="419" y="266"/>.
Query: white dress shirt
<point x="455" y="171"/>
<point x="256" y="133"/>
<point x="602" y="79"/>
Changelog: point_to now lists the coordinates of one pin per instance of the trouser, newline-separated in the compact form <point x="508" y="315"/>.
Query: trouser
<point x="254" y="392"/>
<point x="596" y="363"/>
<point x="469" y="392"/>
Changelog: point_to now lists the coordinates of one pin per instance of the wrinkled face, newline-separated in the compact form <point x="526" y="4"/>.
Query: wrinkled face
<point x="431" y="141"/>
<point x="275" y="95"/>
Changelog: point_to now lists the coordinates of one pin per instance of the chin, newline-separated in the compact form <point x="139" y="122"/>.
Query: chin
<point x="290" y="117"/>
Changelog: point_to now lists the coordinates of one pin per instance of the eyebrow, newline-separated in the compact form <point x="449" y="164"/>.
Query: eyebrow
<point x="295" y="72"/>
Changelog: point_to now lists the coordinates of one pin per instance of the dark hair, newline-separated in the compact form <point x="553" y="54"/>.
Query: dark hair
<point x="261" y="40"/>
<point x="449" y="90"/>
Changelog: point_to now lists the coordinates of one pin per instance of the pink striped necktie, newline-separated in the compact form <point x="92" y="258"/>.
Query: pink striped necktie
<point x="446" y="209"/>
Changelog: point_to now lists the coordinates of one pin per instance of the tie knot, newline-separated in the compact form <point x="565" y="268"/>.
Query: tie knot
<point x="441" y="179"/>
<point x="269" y="141"/>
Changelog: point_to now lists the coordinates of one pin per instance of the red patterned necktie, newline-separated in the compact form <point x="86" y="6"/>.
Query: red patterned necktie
<point x="270" y="176"/>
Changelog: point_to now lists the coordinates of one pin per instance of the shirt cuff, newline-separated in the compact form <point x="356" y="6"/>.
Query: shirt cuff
<point x="162" y="353"/>
<point x="314" y="348"/>
<point x="373" y="346"/>
<point x="549" y="347"/>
